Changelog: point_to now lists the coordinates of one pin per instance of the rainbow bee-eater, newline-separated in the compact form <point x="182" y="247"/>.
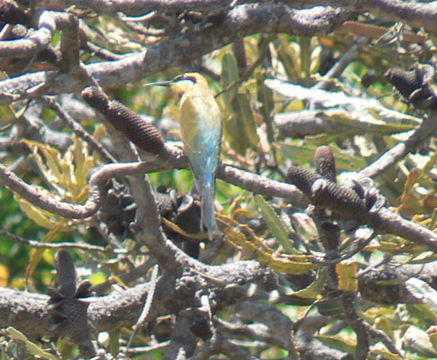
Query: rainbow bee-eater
<point x="201" y="131"/>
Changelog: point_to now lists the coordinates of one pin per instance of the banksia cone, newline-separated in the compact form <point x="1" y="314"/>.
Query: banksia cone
<point x="414" y="85"/>
<point x="404" y="81"/>
<point x="138" y="130"/>
<point x="324" y="162"/>
<point x="344" y="202"/>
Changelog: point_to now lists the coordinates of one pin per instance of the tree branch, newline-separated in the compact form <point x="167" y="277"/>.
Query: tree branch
<point x="179" y="49"/>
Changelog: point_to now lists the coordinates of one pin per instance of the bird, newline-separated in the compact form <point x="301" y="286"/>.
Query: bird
<point x="201" y="123"/>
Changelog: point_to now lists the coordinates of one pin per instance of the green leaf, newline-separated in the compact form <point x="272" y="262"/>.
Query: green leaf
<point x="330" y="307"/>
<point x="245" y="119"/>
<point x="305" y="55"/>
<point x="313" y="289"/>
<point x="7" y="114"/>
<point x="347" y="279"/>
<point x="384" y="355"/>
<point x="114" y="342"/>
<point x="235" y="117"/>
<point x="417" y="340"/>
<point x="338" y="342"/>
<point x="275" y="224"/>
<point x="423" y="291"/>
<point x="41" y="217"/>
<point x="288" y="53"/>
<point x="30" y="346"/>
<point x="299" y="154"/>
<point x="229" y="75"/>
<point x="265" y="98"/>
<point x="244" y="239"/>
<point x="35" y="255"/>
<point x="304" y="154"/>
<point x="356" y="126"/>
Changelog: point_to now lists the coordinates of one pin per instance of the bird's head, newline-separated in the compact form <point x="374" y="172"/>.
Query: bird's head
<point x="188" y="82"/>
<point x="183" y="83"/>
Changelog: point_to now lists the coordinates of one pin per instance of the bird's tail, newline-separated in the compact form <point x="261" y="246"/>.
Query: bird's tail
<point x="207" y="192"/>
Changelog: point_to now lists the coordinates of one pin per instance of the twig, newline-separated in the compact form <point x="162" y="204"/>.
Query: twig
<point x="240" y="21"/>
<point x="258" y="184"/>
<point x="387" y="222"/>
<point x="279" y="325"/>
<point x="384" y="221"/>
<point x="383" y="337"/>
<point x="147" y="306"/>
<point x="246" y="75"/>
<point x="70" y="44"/>
<point x="39" y="245"/>
<point x="38" y="198"/>
<point x="424" y="131"/>
<point x="350" y="55"/>
<point x="145" y="349"/>
<point x="38" y="40"/>
<point x="417" y="14"/>
<point x="346" y="204"/>
<point x="362" y="347"/>
<point x="233" y="351"/>
<point x="362" y="243"/>
<point x="28" y="312"/>
<point x="127" y="277"/>
<point x="78" y="129"/>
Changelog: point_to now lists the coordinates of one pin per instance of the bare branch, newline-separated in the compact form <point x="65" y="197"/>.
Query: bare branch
<point x="387" y="222"/>
<point x="40" y="245"/>
<point x="27" y="312"/>
<point x="399" y="151"/>
<point x="38" y="198"/>
<point x="138" y="6"/>
<point x="79" y="130"/>
<point x="362" y="347"/>
<point x="239" y="22"/>
<point x="38" y="40"/>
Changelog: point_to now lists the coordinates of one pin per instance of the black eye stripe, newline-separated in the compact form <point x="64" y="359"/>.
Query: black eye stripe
<point x="190" y="78"/>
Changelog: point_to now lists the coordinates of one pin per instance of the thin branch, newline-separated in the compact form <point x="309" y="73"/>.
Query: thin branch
<point x="279" y="325"/>
<point x="61" y="245"/>
<point x="147" y="305"/>
<point x="362" y="347"/>
<point x="145" y="349"/>
<point x="399" y="151"/>
<point x="38" y="40"/>
<point x="238" y="22"/>
<point x="258" y="184"/>
<point x="179" y="49"/>
<point x="142" y="7"/>
<point x="350" y="55"/>
<point x="417" y="14"/>
<point x="383" y="337"/>
<point x="79" y="130"/>
<point x="37" y="197"/>
<point x="385" y="221"/>
<point x="70" y="44"/>
<point x="361" y="244"/>
<point x="233" y="351"/>
<point x="298" y="124"/>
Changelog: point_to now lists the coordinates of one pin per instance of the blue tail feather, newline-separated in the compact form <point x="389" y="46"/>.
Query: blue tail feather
<point x="207" y="191"/>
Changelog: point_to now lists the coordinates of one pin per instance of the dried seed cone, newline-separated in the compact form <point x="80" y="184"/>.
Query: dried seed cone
<point x="96" y="99"/>
<point x="405" y="81"/>
<point x="325" y="163"/>
<point x="138" y="130"/>
<point x="344" y="202"/>
<point x="302" y="179"/>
